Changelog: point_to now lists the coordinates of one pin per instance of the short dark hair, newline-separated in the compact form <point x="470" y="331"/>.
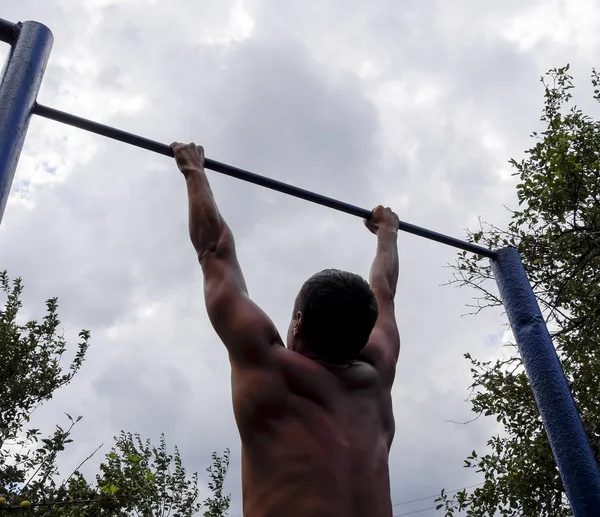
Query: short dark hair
<point x="339" y="312"/>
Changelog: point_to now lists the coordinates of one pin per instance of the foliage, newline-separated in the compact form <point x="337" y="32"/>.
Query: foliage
<point x="556" y="229"/>
<point x="136" y="477"/>
<point x="30" y="355"/>
<point x="218" y="504"/>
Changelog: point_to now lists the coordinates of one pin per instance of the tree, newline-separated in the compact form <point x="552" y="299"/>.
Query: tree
<point x="556" y="229"/>
<point x="30" y="356"/>
<point x="136" y="477"/>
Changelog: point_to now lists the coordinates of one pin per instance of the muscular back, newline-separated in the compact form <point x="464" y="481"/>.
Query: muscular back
<point x="315" y="440"/>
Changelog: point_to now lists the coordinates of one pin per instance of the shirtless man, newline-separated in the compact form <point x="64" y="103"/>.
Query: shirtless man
<point x="315" y="418"/>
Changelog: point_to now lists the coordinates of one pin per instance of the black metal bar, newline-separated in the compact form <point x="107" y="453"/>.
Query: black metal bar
<point x="160" y="148"/>
<point x="9" y="31"/>
<point x="571" y="447"/>
<point x="19" y="86"/>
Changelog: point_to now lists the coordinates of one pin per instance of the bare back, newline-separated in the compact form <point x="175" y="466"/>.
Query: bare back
<point x="315" y="440"/>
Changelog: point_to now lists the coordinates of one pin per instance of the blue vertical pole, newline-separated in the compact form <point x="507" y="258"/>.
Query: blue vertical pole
<point x="19" y="86"/>
<point x="574" y="456"/>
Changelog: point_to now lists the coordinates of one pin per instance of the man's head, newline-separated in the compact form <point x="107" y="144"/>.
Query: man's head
<point x="334" y="314"/>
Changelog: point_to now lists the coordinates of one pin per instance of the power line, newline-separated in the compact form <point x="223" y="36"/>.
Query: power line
<point x="435" y="495"/>
<point x="415" y="511"/>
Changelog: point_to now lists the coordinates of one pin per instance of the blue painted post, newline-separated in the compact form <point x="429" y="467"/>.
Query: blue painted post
<point x="574" y="457"/>
<point x="19" y="86"/>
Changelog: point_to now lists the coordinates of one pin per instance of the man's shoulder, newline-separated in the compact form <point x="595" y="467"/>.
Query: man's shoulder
<point x="357" y="374"/>
<point x="296" y="373"/>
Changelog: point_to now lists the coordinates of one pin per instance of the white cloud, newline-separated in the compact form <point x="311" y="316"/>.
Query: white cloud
<point x="563" y="23"/>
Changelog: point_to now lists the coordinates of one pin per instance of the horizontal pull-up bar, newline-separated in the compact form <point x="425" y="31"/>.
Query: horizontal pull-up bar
<point x="160" y="148"/>
<point x="8" y="31"/>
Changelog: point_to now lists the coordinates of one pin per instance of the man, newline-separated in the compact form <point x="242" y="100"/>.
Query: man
<point x="315" y="417"/>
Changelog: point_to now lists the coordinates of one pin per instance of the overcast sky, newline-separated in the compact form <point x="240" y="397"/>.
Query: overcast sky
<point x="417" y="105"/>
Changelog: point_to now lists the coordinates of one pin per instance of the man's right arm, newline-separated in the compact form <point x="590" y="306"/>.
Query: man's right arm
<point x="248" y="333"/>
<point x="383" y="348"/>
